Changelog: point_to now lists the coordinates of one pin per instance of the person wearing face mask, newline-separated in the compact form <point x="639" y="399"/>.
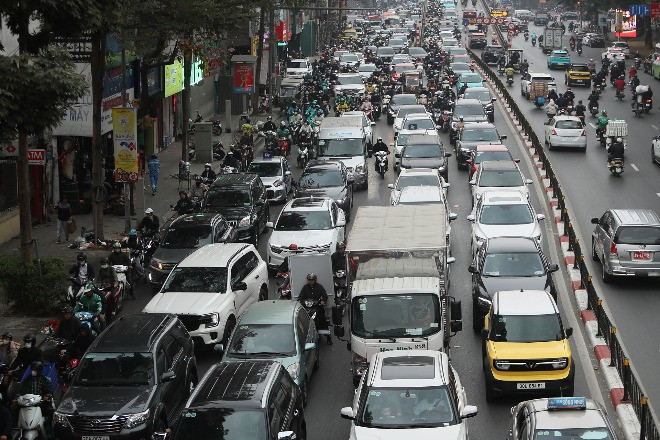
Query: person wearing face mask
<point x="37" y="383"/>
<point x="91" y="302"/>
<point x="82" y="269"/>
<point x="119" y="258"/>
<point x="8" y="349"/>
<point x="107" y="275"/>
<point x="27" y="354"/>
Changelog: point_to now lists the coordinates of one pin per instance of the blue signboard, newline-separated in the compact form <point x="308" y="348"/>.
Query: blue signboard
<point x="640" y="9"/>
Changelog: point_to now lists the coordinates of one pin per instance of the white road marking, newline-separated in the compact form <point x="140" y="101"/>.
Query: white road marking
<point x="657" y="194"/>
<point x="634" y="167"/>
<point x="592" y="125"/>
<point x="654" y="126"/>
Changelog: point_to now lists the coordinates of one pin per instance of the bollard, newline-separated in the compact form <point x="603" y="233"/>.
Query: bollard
<point x="570" y="242"/>
<point x="599" y="305"/>
<point x="612" y="334"/>
<point x="642" y="419"/>
<point x="563" y="218"/>
<point x="626" y="380"/>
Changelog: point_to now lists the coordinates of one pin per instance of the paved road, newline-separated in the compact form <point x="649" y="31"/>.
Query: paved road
<point x="331" y="387"/>
<point x="591" y="189"/>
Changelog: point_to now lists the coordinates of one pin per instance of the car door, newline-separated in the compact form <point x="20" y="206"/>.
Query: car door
<point x="238" y="274"/>
<point x="307" y="358"/>
<point x="261" y="205"/>
<point x="602" y="234"/>
<point x="168" y="392"/>
<point x="338" y="215"/>
<point x="286" y="175"/>
<point x="251" y="277"/>
<point x="457" y="394"/>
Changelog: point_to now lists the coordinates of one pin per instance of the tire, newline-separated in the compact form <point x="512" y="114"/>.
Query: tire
<point x="192" y="383"/>
<point x="356" y="381"/>
<point x="570" y="391"/>
<point x="607" y="278"/>
<point x="263" y="294"/>
<point x="583" y="149"/>
<point x="550" y="147"/>
<point x="255" y="236"/>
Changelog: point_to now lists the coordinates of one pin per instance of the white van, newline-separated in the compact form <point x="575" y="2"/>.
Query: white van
<point x="524" y="14"/>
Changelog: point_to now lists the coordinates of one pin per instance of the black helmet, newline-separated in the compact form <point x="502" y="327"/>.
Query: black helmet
<point x="104" y="260"/>
<point x="82" y="256"/>
<point x="67" y="309"/>
<point x="37" y="366"/>
<point x="30" y="338"/>
<point x="311" y="276"/>
<point x="7" y="335"/>
<point x="341" y="244"/>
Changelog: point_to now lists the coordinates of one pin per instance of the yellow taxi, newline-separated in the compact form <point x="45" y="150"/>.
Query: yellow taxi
<point x="578" y="74"/>
<point x="525" y="346"/>
<point x="349" y="34"/>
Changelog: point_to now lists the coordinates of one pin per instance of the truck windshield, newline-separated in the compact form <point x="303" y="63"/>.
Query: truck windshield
<point x="341" y="147"/>
<point x="395" y="316"/>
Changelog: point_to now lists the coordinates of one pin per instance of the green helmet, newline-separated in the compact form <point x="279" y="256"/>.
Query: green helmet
<point x="117" y="245"/>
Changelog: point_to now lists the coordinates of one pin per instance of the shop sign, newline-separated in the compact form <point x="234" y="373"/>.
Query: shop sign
<point x="173" y="78"/>
<point x="243" y="78"/>
<point x="124" y="125"/>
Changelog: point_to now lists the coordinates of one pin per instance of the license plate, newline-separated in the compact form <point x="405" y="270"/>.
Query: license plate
<point x="646" y="256"/>
<point x="531" y="386"/>
<point x="95" y="437"/>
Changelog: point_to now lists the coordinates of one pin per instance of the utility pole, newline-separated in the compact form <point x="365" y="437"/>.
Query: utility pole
<point x="272" y="56"/>
<point x="127" y="186"/>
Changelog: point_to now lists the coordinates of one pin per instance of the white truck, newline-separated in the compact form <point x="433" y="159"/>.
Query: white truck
<point x="398" y="268"/>
<point x="552" y="39"/>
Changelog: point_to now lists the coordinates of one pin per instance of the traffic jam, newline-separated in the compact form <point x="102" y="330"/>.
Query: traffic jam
<point x="386" y="267"/>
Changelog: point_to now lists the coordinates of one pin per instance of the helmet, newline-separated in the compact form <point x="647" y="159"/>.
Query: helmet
<point x="182" y="192"/>
<point x="230" y="153"/>
<point x="460" y="117"/>
<point x="283" y="124"/>
<point x="81" y="257"/>
<point x="149" y="211"/>
<point x="380" y="138"/>
<point x="67" y="309"/>
<point x="269" y="118"/>
<point x="198" y="179"/>
<point x="89" y="287"/>
<point x="580" y="101"/>
<point x="591" y="59"/>
<point x="86" y="326"/>
<point x="104" y="260"/>
<point x="604" y="113"/>
<point x="619" y="139"/>
<point x="207" y="164"/>
<point x="7" y="335"/>
<point x="30" y="338"/>
<point x="568" y="88"/>
<point x="37" y="366"/>
<point x="117" y="245"/>
<point x="132" y="233"/>
<point x="341" y="244"/>
<point x="311" y="276"/>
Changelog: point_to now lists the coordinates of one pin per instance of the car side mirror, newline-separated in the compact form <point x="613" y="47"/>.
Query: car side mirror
<point x="493" y="99"/>
<point x="455" y="326"/>
<point x="287" y="173"/>
<point x="540" y="217"/>
<point x="568" y="331"/>
<point x="390" y="185"/>
<point x="397" y="155"/>
<point x="473" y="182"/>
<point x="456" y="311"/>
<point x="167" y="376"/>
<point x="310" y="346"/>
<point x="553" y="268"/>
<point x="270" y="225"/>
<point x="447" y="154"/>
<point x="503" y="137"/>
<point x="471" y="217"/>
<point x="219" y="347"/>
<point x="453" y="216"/>
<point x="347" y="413"/>
<point x="240" y="285"/>
<point x="468" y="411"/>
<point x="340" y="223"/>
<point x="472" y="268"/>
<point x="451" y="260"/>
<point x="160" y="435"/>
<point x="350" y="180"/>
<point x="516" y="160"/>
<point x="528" y="181"/>
<point x="594" y="221"/>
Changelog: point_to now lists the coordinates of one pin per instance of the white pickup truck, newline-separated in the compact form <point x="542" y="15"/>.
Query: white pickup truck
<point x="298" y="68"/>
<point x="529" y="77"/>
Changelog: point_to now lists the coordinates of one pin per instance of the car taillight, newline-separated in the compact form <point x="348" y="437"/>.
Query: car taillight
<point x="554" y="132"/>
<point x="613" y="248"/>
<point x="584" y="133"/>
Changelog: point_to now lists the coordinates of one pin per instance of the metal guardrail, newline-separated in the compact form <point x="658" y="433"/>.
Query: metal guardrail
<point x="633" y="391"/>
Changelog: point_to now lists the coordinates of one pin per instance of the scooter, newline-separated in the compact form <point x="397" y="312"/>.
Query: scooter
<point x="312" y="308"/>
<point x="616" y="166"/>
<point x="341" y="292"/>
<point x="284" y="287"/>
<point x="593" y="109"/>
<point x="620" y="95"/>
<point x="75" y="290"/>
<point x="381" y="163"/>
<point x="30" y="417"/>
<point x="216" y="128"/>
<point x="533" y="41"/>
<point x="246" y="156"/>
<point x="303" y="155"/>
<point x="509" y="80"/>
<point x="579" y="50"/>
<point x="283" y="146"/>
<point x="446" y="120"/>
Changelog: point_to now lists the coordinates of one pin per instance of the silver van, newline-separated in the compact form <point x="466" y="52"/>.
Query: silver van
<point x="627" y="243"/>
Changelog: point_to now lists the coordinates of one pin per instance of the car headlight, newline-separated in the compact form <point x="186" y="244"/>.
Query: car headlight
<point x="293" y="370"/>
<point x="359" y="168"/>
<point x="137" y="419"/>
<point x="157" y="264"/>
<point x="559" y="364"/>
<point x="61" y="418"/>
<point x="212" y="319"/>
<point x="275" y="249"/>
<point x="502" y="365"/>
<point x="245" y="221"/>
<point x="278" y="182"/>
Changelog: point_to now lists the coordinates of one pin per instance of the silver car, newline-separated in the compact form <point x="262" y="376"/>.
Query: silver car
<point x="498" y="175"/>
<point x="275" y="174"/>
<point x="565" y="131"/>
<point x="627" y="243"/>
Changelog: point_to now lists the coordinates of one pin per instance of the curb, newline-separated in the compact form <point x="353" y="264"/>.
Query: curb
<point x="628" y="420"/>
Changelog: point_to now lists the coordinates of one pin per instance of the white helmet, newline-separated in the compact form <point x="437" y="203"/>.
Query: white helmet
<point x="149" y="211"/>
<point x="619" y="139"/>
<point x="207" y="164"/>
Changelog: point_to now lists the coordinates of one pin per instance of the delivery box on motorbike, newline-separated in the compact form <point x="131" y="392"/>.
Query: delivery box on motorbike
<point x="617" y="128"/>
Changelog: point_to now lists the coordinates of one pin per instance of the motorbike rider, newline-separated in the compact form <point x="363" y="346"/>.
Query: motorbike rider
<point x="91" y="302"/>
<point x="593" y="99"/>
<point x="552" y="95"/>
<point x="509" y="72"/>
<point x="27" y="354"/>
<point x="648" y="94"/>
<point x="82" y="270"/>
<point x="119" y="258"/>
<point x="601" y="122"/>
<point x="208" y="175"/>
<point x="380" y="146"/>
<point x="551" y="109"/>
<point x="69" y="325"/>
<point x="338" y="258"/>
<point x="37" y="383"/>
<point x="184" y="204"/>
<point x="524" y="66"/>
<point x="592" y="65"/>
<point x="367" y="108"/>
<point x="569" y="95"/>
<point x="579" y="111"/>
<point x="620" y="83"/>
<point x="316" y="292"/>
<point x="106" y="275"/>
<point x="230" y="161"/>
<point x="269" y="125"/>
<point x="571" y="41"/>
<point x="8" y="349"/>
<point x="82" y="341"/>
<point x="305" y="131"/>
<point x="615" y="151"/>
<point x="150" y="223"/>
<point x="198" y="190"/>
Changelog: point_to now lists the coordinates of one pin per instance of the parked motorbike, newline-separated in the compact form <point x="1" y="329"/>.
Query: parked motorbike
<point x="216" y="128"/>
<point x="381" y="163"/>
<point x="30" y="417"/>
<point x="616" y="166"/>
<point x="218" y="151"/>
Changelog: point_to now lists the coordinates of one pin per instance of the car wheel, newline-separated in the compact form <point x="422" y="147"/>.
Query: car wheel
<point x="256" y="234"/>
<point x="583" y="149"/>
<point x="550" y="147"/>
<point x="263" y="293"/>
<point x="159" y="425"/>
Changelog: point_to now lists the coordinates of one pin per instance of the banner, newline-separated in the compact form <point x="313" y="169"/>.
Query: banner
<point x="243" y="78"/>
<point x="124" y="126"/>
<point x="173" y="78"/>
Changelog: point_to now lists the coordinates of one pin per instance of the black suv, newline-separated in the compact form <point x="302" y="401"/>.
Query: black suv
<point x="327" y="178"/>
<point x="241" y="199"/>
<point x="132" y="381"/>
<point x="507" y="263"/>
<point x="244" y="400"/>
<point x="185" y="234"/>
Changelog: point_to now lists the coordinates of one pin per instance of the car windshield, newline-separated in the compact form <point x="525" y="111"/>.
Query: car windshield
<point x="559" y="53"/>
<point x="340" y="147"/>
<point x="396" y="41"/>
<point x="569" y="125"/>
<point x="403" y="112"/>
<point x="469" y="110"/>
<point x="115" y="369"/>
<point x="262" y="340"/>
<point x="227" y="198"/>
<point x="513" y="264"/>
<point x="367" y="68"/>
<point x="266" y="169"/>
<point x="458" y="51"/>
<point x="407" y="408"/>
<point x="404" y="100"/>
<point x="303" y="221"/>
<point x="417" y="52"/>
<point x="573" y="434"/>
<point x="525" y="328"/>
<point x="298" y="64"/>
<point x="646" y="235"/>
<point x="222" y="424"/>
<point x="506" y="215"/>
<point x="470" y="78"/>
<point x="481" y="95"/>
<point x="500" y="178"/>
<point x="480" y="134"/>
<point x="484" y="156"/>
<point x="419" y="124"/>
<point x="320" y="178"/>
<point x="385" y="51"/>
<point x="400" y="68"/>
<point x="349" y="57"/>
<point x="405" y="181"/>
<point x="196" y="280"/>
<point x="419" y="151"/>
<point x="395" y="316"/>
<point x="349" y="80"/>
<point x="187" y="237"/>
<point x="580" y="68"/>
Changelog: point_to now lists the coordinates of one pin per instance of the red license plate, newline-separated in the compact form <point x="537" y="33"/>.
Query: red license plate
<point x="641" y="256"/>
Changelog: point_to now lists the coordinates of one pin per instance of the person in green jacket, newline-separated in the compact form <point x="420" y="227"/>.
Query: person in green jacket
<point x="91" y="302"/>
<point x="601" y="122"/>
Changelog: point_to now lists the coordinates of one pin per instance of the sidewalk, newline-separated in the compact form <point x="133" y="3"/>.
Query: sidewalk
<point x="45" y="234"/>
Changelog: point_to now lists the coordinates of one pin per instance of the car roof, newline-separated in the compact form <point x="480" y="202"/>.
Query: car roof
<point x="503" y="197"/>
<point x="354" y="113"/>
<point x="308" y="204"/>
<point x="136" y="332"/>
<point x="467" y="101"/>
<point x="541" y="75"/>
<point x="410" y="369"/>
<point x="418" y="116"/>
<point x="299" y="60"/>
<point x="234" y="382"/>
<point x="421" y="193"/>
<point x="322" y="165"/>
<point x="511" y="244"/>
<point x="411" y="107"/>
<point x="270" y="312"/>
<point x="407" y="95"/>
<point x="213" y="255"/>
<point x="479" y="125"/>
<point x="346" y="75"/>
<point x="637" y="217"/>
<point x="423" y="138"/>
<point x="593" y="416"/>
<point x="419" y="171"/>
<point x="234" y="179"/>
<point x="189" y="220"/>
<point x="491" y="147"/>
<point x="478" y="89"/>
<point x="566" y="118"/>
<point x="262" y="159"/>
<point x="504" y="165"/>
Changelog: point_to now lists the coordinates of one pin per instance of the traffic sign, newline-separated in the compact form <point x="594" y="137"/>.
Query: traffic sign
<point x="492" y="20"/>
<point x="655" y="10"/>
<point x="511" y="26"/>
<point x="640" y="9"/>
<point x="466" y="21"/>
<point x="36" y="157"/>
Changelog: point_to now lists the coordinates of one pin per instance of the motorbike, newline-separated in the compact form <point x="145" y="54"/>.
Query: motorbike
<point x="30" y="417"/>
<point x="216" y="128"/>
<point x="533" y="41"/>
<point x="246" y="156"/>
<point x="526" y="36"/>
<point x="638" y="108"/>
<point x="579" y="50"/>
<point x="648" y="105"/>
<point x="341" y="291"/>
<point x="620" y="95"/>
<point x="539" y="102"/>
<point x="500" y="70"/>
<point x="509" y="80"/>
<point x="312" y="308"/>
<point x="602" y="136"/>
<point x="150" y="241"/>
<point x="303" y="155"/>
<point x="75" y="290"/>
<point x="572" y="45"/>
<point x="593" y="109"/>
<point x="615" y="166"/>
<point x="381" y="163"/>
<point x="67" y="373"/>
<point x="446" y="120"/>
<point x="192" y="122"/>
<point x="218" y="151"/>
<point x="284" y="287"/>
<point x="377" y="112"/>
<point x="283" y="146"/>
<point x="114" y="296"/>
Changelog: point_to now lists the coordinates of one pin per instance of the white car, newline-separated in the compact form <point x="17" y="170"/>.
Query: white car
<point x="210" y="288"/>
<point x="306" y="225"/>
<point x="502" y="175"/>
<point x="406" y="110"/>
<point x="337" y="54"/>
<point x="427" y="195"/>
<point x="421" y="122"/>
<point x="415" y="177"/>
<point x="401" y="58"/>
<point x="349" y="60"/>
<point x="565" y="131"/>
<point x="623" y="46"/>
<point x="275" y="174"/>
<point x="366" y="70"/>
<point x="409" y="394"/>
<point x="298" y="68"/>
<point x="349" y="83"/>
<point x="614" y="54"/>
<point x="366" y="123"/>
<point x="503" y="214"/>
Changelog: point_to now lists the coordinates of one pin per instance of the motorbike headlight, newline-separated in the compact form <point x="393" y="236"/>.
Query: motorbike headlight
<point x="293" y="370"/>
<point x="157" y="264"/>
<point x="278" y="182"/>
<point x="137" y="419"/>
<point x="60" y="418"/>
<point x="359" y="168"/>
<point x="245" y="221"/>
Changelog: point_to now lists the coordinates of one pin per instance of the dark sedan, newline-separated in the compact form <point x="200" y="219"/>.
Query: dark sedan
<point x="327" y="179"/>
<point x="507" y="263"/>
<point x="425" y="151"/>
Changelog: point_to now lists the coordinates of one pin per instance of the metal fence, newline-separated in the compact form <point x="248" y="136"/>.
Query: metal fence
<point x="633" y="391"/>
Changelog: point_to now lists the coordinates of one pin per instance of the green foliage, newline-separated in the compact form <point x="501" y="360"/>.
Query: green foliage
<point x="36" y="91"/>
<point x="31" y="293"/>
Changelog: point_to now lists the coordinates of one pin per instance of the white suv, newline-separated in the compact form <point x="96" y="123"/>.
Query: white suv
<point x="211" y="287"/>
<point x="409" y="393"/>
<point x="306" y="225"/>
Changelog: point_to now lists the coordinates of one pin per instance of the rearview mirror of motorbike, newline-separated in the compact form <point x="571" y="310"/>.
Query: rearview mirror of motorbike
<point x="167" y="376"/>
<point x="594" y="221"/>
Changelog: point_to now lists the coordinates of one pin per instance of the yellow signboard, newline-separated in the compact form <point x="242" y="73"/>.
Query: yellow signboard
<point x="499" y="13"/>
<point x="124" y="126"/>
<point x="254" y="45"/>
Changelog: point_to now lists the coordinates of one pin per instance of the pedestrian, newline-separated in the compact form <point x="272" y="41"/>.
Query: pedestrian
<point x="154" y="170"/>
<point x="63" y="218"/>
